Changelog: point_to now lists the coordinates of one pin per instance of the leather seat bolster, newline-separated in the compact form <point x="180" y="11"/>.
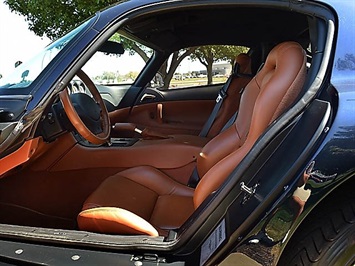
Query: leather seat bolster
<point x="214" y="178"/>
<point x="114" y="221"/>
<point x="218" y="148"/>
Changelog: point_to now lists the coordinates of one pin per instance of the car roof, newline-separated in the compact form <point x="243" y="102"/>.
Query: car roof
<point x="229" y="24"/>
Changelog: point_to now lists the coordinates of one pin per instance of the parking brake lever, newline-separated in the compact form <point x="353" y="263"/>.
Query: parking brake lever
<point x="126" y="128"/>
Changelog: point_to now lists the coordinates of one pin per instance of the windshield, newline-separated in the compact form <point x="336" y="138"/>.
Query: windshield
<point x="26" y="73"/>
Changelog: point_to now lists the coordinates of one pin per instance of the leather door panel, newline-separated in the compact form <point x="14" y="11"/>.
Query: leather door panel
<point x="172" y="117"/>
<point x="174" y="111"/>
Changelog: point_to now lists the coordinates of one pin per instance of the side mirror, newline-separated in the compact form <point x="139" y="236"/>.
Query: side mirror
<point x="24" y="75"/>
<point x="157" y="81"/>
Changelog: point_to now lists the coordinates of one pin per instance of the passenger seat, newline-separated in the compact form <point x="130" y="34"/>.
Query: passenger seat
<point x="239" y="78"/>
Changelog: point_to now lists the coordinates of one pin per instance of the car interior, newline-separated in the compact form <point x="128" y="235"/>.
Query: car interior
<point x="155" y="174"/>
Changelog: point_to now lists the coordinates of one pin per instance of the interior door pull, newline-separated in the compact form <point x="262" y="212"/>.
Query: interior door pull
<point x="147" y="96"/>
<point x="160" y="113"/>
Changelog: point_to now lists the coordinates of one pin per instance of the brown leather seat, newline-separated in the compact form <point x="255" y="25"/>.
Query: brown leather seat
<point x="143" y="200"/>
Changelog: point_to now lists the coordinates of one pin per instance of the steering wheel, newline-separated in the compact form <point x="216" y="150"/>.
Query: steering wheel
<point x="97" y="112"/>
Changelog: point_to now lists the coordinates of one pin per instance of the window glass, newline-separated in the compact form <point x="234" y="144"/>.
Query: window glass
<point x="26" y="73"/>
<point x="200" y="66"/>
<point x="114" y="71"/>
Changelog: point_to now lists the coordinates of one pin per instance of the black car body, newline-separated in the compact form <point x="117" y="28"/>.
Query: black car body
<point x="290" y="199"/>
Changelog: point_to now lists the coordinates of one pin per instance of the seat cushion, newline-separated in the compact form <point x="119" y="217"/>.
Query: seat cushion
<point x="171" y="211"/>
<point x="143" y="191"/>
<point x="119" y="191"/>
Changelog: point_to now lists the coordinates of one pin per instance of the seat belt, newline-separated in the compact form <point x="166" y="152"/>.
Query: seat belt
<point x="221" y="96"/>
<point x="194" y="179"/>
<point x="234" y="117"/>
<point x="219" y="100"/>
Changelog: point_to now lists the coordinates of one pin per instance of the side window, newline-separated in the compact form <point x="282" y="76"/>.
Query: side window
<point x="114" y="67"/>
<point x="199" y="66"/>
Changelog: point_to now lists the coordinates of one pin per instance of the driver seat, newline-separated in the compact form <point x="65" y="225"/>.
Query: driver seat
<point x="144" y="200"/>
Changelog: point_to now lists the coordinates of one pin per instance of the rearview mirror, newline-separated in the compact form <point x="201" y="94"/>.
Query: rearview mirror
<point x="110" y="47"/>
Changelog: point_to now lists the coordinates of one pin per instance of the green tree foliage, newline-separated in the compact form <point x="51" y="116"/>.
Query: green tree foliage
<point x="133" y="47"/>
<point x="132" y="75"/>
<point x="109" y="76"/>
<point x="210" y="54"/>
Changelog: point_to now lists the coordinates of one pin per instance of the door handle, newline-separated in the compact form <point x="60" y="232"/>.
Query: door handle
<point x="147" y="96"/>
<point x="160" y="113"/>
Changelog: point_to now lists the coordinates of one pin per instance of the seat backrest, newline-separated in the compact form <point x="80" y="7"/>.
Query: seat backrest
<point x="273" y="89"/>
<point x="241" y="76"/>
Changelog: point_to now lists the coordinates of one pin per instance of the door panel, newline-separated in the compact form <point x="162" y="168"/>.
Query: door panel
<point x="174" y="111"/>
<point x="172" y="117"/>
<point x="188" y="93"/>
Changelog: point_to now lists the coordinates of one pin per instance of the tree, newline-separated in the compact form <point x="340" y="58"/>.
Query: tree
<point x="109" y="76"/>
<point x="210" y="54"/>
<point x="167" y="70"/>
<point x="132" y="75"/>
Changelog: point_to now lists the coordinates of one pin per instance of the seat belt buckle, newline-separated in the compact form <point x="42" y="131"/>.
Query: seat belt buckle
<point x="221" y="95"/>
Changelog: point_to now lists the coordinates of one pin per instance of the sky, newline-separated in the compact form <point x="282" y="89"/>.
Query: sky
<point x="17" y="42"/>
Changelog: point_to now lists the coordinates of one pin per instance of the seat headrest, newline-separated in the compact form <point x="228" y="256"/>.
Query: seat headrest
<point x="242" y="64"/>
